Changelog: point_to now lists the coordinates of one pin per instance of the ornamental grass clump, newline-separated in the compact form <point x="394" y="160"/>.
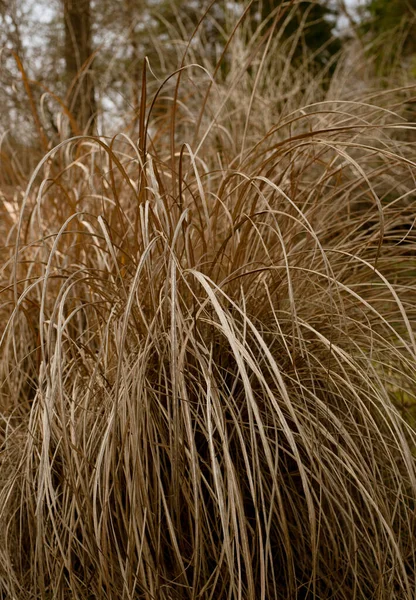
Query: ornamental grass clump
<point x="208" y="350"/>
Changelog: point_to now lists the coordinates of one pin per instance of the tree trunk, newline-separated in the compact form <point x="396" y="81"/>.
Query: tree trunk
<point x="81" y="96"/>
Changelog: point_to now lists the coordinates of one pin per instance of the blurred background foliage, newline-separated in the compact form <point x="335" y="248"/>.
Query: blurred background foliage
<point x="72" y="66"/>
<point x="391" y="27"/>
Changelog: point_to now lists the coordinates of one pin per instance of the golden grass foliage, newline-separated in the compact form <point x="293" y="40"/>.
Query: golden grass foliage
<point x="208" y="348"/>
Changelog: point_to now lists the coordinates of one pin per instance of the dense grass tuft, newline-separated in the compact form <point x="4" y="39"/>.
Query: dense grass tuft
<point x="208" y="347"/>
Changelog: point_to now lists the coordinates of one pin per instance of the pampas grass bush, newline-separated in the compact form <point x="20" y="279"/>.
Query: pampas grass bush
<point x="208" y="346"/>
